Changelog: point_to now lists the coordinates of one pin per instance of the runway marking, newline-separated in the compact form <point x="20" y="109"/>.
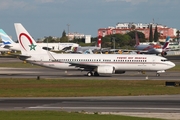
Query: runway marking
<point x="110" y="108"/>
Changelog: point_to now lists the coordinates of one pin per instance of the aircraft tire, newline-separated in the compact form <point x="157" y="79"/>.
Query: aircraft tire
<point x="96" y="74"/>
<point x="157" y="74"/>
<point x="89" y="74"/>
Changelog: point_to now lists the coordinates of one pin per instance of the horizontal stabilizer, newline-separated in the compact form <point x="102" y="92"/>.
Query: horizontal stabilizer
<point x="21" y="57"/>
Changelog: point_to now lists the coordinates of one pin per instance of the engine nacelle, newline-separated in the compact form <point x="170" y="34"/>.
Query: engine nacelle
<point x="119" y="72"/>
<point x="105" y="69"/>
<point x="163" y="54"/>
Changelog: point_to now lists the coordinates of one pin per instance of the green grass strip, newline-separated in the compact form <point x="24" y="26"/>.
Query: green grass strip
<point x="56" y="115"/>
<point x="13" y="87"/>
<point x="18" y="65"/>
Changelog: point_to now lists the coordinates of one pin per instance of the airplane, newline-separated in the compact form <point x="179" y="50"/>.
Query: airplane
<point x="4" y="49"/>
<point x="87" y="49"/>
<point x="10" y="44"/>
<point x="151" y="48"/>
<point x="84" y="50"/>
<point x="94" y="64"/>
<point x="174" y="46"/>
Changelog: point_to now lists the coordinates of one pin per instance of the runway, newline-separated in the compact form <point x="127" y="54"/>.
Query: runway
<point x="161" y="106"/>
<point x="47" y="73"/>
<point x="165" y="104"/>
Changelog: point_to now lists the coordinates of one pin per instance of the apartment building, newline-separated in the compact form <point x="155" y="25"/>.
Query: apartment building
<point x="122" y="28"/>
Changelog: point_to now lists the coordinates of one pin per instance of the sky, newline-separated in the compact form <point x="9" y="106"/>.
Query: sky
<point x="51" y="17"/>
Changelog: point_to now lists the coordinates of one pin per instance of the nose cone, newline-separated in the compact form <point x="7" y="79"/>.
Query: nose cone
<point x="171" y="65"/>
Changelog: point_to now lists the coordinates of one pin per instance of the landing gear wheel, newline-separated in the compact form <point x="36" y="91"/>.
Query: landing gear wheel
<point x="157" y="74"/>
<point x="89" y="74"/>
<point x="96" y="74"/>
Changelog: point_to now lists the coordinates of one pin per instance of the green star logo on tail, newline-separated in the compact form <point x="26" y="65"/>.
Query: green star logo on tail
<point x="32" y="46"/>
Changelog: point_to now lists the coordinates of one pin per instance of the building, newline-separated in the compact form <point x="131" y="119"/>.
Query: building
<point x="123" y="28"/>
<point x="87" y="38"/>
<point x="76" y="35"/>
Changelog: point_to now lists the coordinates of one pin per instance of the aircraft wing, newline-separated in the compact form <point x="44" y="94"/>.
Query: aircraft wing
<point x="83" y="66"/>
<point x="141" y="51"/>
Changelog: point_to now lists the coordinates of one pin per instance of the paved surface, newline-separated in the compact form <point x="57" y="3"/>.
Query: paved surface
<point x="159" y="106"/>
<point x="54" y="74"/>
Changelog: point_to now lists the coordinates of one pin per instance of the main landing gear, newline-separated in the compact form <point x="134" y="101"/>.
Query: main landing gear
<point x="157" y="74"/>
<point x="90" y="73"/>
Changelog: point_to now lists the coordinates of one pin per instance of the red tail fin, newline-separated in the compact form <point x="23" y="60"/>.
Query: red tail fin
<point x="99" y="41"/>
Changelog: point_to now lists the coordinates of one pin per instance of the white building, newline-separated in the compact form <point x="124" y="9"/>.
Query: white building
<point x="76" y="35"/>
<point x="87" y="38"/>
<point x="128" y="25"/>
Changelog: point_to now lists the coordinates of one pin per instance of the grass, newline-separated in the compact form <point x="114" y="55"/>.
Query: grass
<point x="79" y="88"/>
<point x="18" y="65"/>
<point x="57" y="115"/>
<point x="176" y="68"/>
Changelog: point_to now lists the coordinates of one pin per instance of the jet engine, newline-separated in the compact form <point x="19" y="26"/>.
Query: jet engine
<point x="163" y="54"/>
<point x="105" y="69"/>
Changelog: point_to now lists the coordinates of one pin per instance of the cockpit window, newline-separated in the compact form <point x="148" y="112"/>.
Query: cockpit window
<point x="164" y="60"/>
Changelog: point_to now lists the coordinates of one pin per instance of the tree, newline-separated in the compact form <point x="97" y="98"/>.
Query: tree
<point x="49" y="39"/>
<point x="156" y="35"/>
<point x="133" y="27"/>
<point x="141" y="35"/>
<point x="64" y="34"/>
<point x="150" y="33"/>
<point x="64" y="39"/>
<point x="178" y="34"/>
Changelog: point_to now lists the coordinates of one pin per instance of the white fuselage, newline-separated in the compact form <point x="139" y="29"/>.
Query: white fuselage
<point x="119" y="62"/>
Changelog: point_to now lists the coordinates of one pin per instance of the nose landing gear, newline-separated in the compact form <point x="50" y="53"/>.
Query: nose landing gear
<point x="157" y="74"/>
